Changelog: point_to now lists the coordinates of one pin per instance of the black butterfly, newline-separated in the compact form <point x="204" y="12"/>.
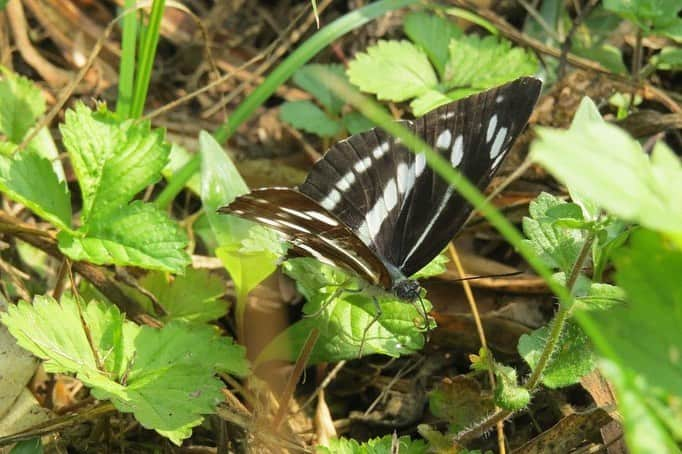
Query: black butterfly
<point x="375" y="208"/>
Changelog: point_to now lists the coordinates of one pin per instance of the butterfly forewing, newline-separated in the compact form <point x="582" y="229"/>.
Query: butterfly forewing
<point x="396" y="204"/>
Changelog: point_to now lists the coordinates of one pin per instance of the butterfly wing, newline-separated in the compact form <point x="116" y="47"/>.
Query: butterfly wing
<point x="310" y="230"/>
<point x="397" y="205"/>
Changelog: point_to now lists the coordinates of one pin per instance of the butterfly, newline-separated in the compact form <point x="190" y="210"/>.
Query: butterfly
<point x="373" y="207"/>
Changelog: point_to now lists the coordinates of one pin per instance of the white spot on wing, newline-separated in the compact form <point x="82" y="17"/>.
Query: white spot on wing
<point x="294" y="226"/>
<point x="295" y="213"/>
<point x="499" y="99"/>
<point x="370" y="227"/>
<point x="267" y="221"/>
<point x="492" y="125"/>
<point x="330" y="202"/>
<point x="346" y="181"/>
<point x="402" y="178"/>
<point x="363" y="165"/>
<point x="448" y="115"/>
<point x="420" y="164"/>
<point x="322" y="218"/>
<point x="380" y="150"/>
<point x="497" y="144"/>
<point x="457" y="151"/>
<point x="444" y="139"/>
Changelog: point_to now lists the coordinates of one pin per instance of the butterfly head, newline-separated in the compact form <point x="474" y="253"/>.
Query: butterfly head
<point x="406" y="290"/>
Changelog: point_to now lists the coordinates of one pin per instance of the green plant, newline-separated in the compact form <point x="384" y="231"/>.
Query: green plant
<point x="307" y="116"/>
<point x="438" y="65"/>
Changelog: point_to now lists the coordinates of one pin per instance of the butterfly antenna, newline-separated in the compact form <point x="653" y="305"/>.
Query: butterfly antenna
<point x="483" y="276"/>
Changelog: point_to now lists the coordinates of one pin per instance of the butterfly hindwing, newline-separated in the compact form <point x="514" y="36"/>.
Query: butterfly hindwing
<point x="310" y="230"/>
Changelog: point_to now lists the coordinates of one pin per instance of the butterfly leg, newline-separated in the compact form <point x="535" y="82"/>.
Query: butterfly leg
<point x="340" y="290"/>
<point x="377" y="314"/>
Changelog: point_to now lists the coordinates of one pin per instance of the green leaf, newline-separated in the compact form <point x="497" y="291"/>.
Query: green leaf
<point x="248" y="250"/>
<point x="645" y="430"/>
<point x="22" y="104"/>
<point x="652" y="16"/>
<point x="600" y="297"/>
<point x="433" y="268"/>
<point x="433" y="34"/>
<point x="341" y="308"/>
<point x="30" y="179"/>
<point x="645" y="334"/>
<point x="113" y="160"/>
<point x="135" y="235"/>
<point x="459" y="401"/>
<point x="669" y="59"/>
<point x="384" y="445"/>
<point x="405" y="71"/>
<point x="508" y="394"/>
<point x="193" y="297"/>
<point x="34" y="445"/>
<point x="356" y="123"/>
<point x="176" y="160"/>
<point x="572" y="359"/>
<point x="556" y="245"/>
<point x="165" y="377"/>
<point x="607" y="166"/>
<point x="171" y="383"/>
<point x="305" y="78"/>
<point x="429" y="101"/>
<point x="306" y="116"/>
<point x="482" y="63"/>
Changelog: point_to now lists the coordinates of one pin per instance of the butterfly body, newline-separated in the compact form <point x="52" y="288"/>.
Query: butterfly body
<point x="373" y="207"/>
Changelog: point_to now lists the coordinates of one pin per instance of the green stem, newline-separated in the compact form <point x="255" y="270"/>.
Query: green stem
<point x="126" y="79"/>
<point x="284" y="71"/>
<point x="150" y="40"/>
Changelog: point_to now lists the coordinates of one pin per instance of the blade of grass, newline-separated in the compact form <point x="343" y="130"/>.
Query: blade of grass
<point x="150" y="40"/>
<point x="284" y="71"/>
<point x="126" y="77"/>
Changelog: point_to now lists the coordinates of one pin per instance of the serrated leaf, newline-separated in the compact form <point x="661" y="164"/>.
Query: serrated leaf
<point x="384" y="445"/>
<point x="306" y="79"/>
<point x="306" y="116"/>
<point x="338" y="307"/>
<point x="556" y="245"/>
<point x="135" y="235"/>
<point x="113" y="160"/>
<point x="30" y="179"/>
<point x="192" y="297"/>
<point x="508" y="394"/>
<point x="405" y="71"/>
<point x="356" y="123"/>
<point x="433" y="34"/>
<point x="54" y="332"/>
<point x="645" y="333"/>
<point x="482" y="63"/>
<point x="22" y="104"/>
<point x="171" y="383"/>
<point x="572" y="359"/>
<point x="607" y="166"/>
<point x="165" y="377"/>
